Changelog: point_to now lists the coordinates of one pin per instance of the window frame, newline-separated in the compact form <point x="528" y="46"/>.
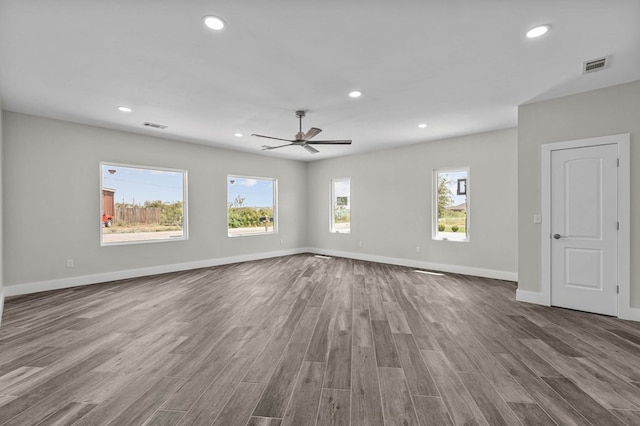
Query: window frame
<point x="434" y="200"/>
<point x="332" y="206"/>
<point x="275" y="229"/>
<point x="185" y="215"/>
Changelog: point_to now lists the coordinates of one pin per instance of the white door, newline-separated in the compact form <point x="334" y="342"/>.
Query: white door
<point x="584" y="229"/>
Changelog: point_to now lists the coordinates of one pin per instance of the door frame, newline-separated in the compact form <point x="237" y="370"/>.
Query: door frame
<point x="624" y="214"/>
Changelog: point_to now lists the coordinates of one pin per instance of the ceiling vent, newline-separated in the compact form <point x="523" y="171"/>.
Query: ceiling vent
<point x="595" y="65"/>
<point x="155" y="125"/>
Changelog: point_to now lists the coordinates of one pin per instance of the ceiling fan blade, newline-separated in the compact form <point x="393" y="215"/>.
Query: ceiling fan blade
<point x="336" y="142"/>
<point x="310" y="149"/>
<point x="271" y="137"/>
<point x="311" y="133"/>
<point x="267" y="147"/>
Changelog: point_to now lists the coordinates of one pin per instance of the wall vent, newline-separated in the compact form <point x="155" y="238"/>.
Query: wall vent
<point x="595" y="65"/>
<point x="155" y="125"/>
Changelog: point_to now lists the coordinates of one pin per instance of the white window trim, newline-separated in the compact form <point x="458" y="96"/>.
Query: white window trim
<point x="332" y="208"/>
<point x="275" y="205"/>
<point x="185" y="221"/>
<point x="434" y="203"/>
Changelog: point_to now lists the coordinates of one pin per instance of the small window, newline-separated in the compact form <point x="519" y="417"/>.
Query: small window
<point x="451" y="204"/>
<point x="251" y="206"/>
<point x="341" y="206"/>
<point x="142" y="204"/>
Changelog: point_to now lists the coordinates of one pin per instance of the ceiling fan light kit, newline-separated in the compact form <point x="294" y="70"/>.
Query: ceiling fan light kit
<point x="303" y="139"/>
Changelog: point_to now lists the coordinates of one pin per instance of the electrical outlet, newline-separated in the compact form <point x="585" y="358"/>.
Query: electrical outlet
<point x="69" y="263"/>
<point x="418" y="249"/>
<point x="537" y="218"/>
<point x="360" y="244"/>
<point x="281" y="241"/>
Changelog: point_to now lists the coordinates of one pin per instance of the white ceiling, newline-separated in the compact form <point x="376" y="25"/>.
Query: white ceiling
<point x="461" y="66"/>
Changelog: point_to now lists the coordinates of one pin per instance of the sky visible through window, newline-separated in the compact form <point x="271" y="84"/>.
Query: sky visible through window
<point x="453" y="185"/>
<point x="137" y="185"/>
<point x="255" y="192"/>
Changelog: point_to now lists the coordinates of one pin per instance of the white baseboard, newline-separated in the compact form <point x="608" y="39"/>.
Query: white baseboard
<point x="531" y="297"/>
<point x="411" y="263"/>
<point x="35" y="287"/>
<point x="625" y="313"/>
<point x="631" y="314"/>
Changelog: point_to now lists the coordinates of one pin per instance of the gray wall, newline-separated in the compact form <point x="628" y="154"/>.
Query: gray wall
<point x="602" y="112"/>
<point x="52" y="200"/>
<point x="1" y="217"/>
<point x="391" y="202"/>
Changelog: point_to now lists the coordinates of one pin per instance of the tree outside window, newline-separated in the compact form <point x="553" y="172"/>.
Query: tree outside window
<point x="251" y="206"/>
<point x="451" y="215"/>
<point x="340" y="206"/>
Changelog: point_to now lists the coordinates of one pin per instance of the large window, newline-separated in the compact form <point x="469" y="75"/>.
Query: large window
<point x="251" y="206"/>
<point x="341" y="206"/>
<point x="451" y="204"/>
<point x="142" y="204"/>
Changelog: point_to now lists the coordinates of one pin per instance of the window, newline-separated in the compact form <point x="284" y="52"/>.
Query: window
<point x="451" y="204"/>
<point x="142" y="204"/>
<point x="341" y="206"/>
<point x="251" y="206"/>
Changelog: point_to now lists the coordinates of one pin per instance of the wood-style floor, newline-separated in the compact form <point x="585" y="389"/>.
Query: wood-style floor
<point x="303" y="340"/>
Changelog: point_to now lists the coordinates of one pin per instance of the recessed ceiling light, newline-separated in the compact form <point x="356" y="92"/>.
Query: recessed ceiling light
<point x="238" y="135"/>
<point x="538" y="31"/>
<point x="422" y="126"/>
<point x="355" y="94"/>
<point x="124" y="109"/>
<point x="214" y="22"/>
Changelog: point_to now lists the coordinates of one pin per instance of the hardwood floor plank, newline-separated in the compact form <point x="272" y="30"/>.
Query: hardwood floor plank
<point x="334" y="408"/>
<point x="549" y="339"/>
<point x="338" y="375"/>
<point x="267" y="361"/>
<point x="205" y="401"/>
<point x="386" y="353"/>
<point x="165" y="418"/>
<point x="360" y="298"/>
<point x="144" y="407"/>
<point x="29" y="399"/>
<point x="68" y="414"/>
<point x="630" y="417"/>
<point x="431" y="411"/>
<point x="550" y="401"/>
<point x="582" y="402"/>
<point x="397" y="321"/>
<point x="222" y="372"/>
<point x="495" y="410"/>
<point x="28" y="360"/>
<point x="366" y="408"/>
<point x="416" y="372"/>
<point x="573" y="369"/>
<point x="461" y="406"/>
<point x="303" y="406"/>
<point x="531" y="414"/>
<point x="322" y="333"/>
<point x="362" y="336"/>
<point x="279" y="389"/>
<point x="238" y="409"/>
<point x="264" y="421"/>
<point x="396" y="399"/>
<point x="508" y="388"/>
<point x="304" y="329"/>
<point x="266" y="342"/>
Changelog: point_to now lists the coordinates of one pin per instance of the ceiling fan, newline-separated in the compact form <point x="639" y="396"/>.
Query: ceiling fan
<point x="303" y="139"/>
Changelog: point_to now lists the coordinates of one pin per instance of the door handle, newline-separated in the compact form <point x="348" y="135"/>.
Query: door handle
<point x="558" y="236"/>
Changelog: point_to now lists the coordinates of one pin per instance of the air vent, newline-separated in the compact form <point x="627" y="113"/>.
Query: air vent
<point x="155" y="125"/>
<point x="595" y="65"/>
